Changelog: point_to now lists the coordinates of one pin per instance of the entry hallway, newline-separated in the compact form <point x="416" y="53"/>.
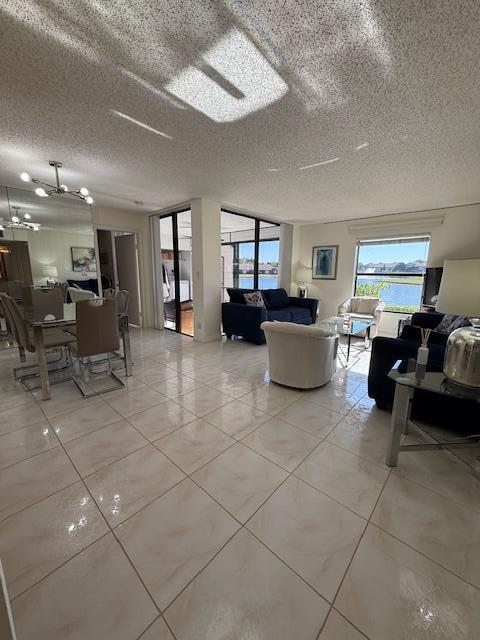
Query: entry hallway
<point x="203" y="502"/>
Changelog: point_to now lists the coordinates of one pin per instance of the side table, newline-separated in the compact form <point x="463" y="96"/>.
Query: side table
<point x="405" y="385"/>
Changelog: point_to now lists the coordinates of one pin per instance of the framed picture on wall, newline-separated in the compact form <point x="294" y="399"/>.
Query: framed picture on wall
<point x="83" y="259"/>
<point x="324" y="262"/>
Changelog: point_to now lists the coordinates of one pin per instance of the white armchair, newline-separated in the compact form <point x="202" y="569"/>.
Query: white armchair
<point x="363" y="308"/>
<point x="300" y="356"/>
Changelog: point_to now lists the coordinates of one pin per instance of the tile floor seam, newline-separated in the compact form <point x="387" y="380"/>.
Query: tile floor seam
<point x="2" y="520"/>
<point x="148" y="504"/>
<point x="355" y="553"/>
<point x="329" y="496"/>
<point x="159" y="617"/>
<point x="85" y="435"/>
<point x="397" y="474"/>
<point x="362" y="633"/>
<point x="162" y="611"/>
<point x="304" y="580"/>
<point x="110" y="529"/>
<point x="62" y="564"/>
<point x="30" y="457"/>
<point x="381" y="465"/>
<point x="422" y="553"/>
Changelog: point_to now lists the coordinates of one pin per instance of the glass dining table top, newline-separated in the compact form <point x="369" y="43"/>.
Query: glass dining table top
<point x="68" y="319"/>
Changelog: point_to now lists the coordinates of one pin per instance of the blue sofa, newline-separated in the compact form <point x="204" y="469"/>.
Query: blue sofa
<point x="463" y="415"/>
<point x="240" y="319"/>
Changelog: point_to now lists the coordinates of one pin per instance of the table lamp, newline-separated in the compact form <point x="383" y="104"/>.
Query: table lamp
<point x="303" y="276"/>
<point x="49" y="271"/>
<point x="460" y="295"/>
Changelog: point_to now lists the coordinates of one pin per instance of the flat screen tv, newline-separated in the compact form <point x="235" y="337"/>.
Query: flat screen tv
<point x="431" y="285"/>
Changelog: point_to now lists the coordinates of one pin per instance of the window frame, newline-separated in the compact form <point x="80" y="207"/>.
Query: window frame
<point x="396" y="240"/>
<point x="256" y="243"/>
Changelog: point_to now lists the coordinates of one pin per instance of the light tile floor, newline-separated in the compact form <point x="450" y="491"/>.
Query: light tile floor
<point x="205" y="503"/>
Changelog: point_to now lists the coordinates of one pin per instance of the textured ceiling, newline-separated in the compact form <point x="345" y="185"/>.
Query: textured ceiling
<point x="297" y="109"/>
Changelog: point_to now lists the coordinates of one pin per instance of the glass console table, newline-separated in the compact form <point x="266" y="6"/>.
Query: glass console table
<point x="405" y="385"/>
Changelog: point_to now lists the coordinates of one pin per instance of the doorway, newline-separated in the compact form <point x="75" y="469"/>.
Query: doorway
<point x="176" y="259"/>
<point x="118" y="259"/>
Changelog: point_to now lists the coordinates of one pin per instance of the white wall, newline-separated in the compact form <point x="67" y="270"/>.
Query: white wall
<point x="457" y="237"/>
<point x="136" y="222"/>
<point x="54" y="248"/>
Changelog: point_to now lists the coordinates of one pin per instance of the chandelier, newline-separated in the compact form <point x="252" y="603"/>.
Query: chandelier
<point x="19" y="221"/>
<point x="59" y="189"/>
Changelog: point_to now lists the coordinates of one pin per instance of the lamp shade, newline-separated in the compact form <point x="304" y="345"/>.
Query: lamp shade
<point x="303" y="274"/>
<point x="50" y="271"/>
<point x="460" y="288"/>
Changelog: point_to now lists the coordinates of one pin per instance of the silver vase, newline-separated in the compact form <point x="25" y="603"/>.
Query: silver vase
<point x="462" y="356"/>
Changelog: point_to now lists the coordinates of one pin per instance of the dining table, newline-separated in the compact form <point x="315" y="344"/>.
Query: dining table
<point x="69" y="320"/>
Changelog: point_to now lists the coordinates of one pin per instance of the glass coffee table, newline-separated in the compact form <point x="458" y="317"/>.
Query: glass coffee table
<point x="355" y="328"/>
<point x="349" y="329"/>
<point x="405" y="385"/>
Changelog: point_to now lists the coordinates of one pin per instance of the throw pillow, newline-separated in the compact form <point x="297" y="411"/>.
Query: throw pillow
<point x="254" y="299"/>
<point x="449" y="323"/>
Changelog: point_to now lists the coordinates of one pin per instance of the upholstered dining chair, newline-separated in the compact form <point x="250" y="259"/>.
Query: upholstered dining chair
<point x="96" y="334"/>
<point x="122" y="296"/>
<point x="53" y="338"/>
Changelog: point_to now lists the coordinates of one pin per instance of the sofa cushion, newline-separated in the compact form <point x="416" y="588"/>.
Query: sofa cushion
<point x="237" y="295"/>
<point x="279" y="314"/>
<point x="276" y="298"/>
<point x="254" y="299"/>
<point x="299" y="315"/>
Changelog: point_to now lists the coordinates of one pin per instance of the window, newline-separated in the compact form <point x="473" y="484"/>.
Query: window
<point x="250" y="253"/>
<point x="393" y="270"/>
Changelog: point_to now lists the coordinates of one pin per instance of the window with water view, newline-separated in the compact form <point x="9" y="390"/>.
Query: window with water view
<point x="394" y="271"/>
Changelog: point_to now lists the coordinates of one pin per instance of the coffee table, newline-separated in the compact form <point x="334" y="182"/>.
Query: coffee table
<point x="355" y="328"/>
<point x="351" y="328"/>
<point x="405" y="385"/>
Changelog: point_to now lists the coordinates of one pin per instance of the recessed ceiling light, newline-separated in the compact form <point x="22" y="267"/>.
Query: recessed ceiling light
<point x="318" y="164"/>
<point x="274" y="170"/>
<point x="140" y="124"/>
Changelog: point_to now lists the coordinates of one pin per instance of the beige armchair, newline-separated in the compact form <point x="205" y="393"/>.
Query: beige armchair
<point x="363" y="308"/>
<point x="300" y="356"/>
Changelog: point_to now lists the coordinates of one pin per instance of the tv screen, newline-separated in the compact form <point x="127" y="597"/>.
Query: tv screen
<point x="431" y="285"/>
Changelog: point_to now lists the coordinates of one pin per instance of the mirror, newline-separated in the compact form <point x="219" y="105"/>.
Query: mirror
<point x="48" y="240"/>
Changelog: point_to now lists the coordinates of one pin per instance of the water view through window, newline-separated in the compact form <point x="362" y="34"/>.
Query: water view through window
<point x="394" y="271"/>
<point x="250" y="253"/>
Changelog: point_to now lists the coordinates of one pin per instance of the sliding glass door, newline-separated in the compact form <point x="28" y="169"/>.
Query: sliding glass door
<point x="250" y="253"/>
<point x="176" y="257"/>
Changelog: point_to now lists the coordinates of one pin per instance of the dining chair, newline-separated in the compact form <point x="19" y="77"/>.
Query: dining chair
<point x="53" y="338"/>
<point x="39" y="304"/>
<point x="96" y="334"/>
<point x="122" y="296"/>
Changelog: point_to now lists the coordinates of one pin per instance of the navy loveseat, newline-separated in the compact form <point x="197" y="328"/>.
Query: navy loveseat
<point x="459" y="414"/>
<point x="240" y="319"/>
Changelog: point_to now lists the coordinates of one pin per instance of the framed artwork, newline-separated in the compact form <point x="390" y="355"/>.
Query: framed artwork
<point x="324" y="262"/>
<point x="83" y="259"/>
